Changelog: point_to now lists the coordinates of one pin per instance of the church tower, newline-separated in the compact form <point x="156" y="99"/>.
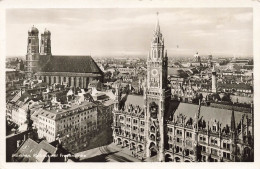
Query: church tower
<point x="32" y="55"/>
<point x="214" y="80"/>
<point x="46" y="43"/>
<point x="156" y="95"/>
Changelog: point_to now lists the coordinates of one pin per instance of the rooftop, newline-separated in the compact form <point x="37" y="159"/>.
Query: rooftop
<point x="76" y="64"/>
<point x="209" y="113"/>
<point x="135" y="100"/>
<point x="31" y="151"/>
<point x="56" y="112"/>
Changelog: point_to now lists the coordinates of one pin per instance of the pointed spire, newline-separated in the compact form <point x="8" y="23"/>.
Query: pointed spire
<point x="233" y="123"/>
<point x="157" y="29"/>
<point x="199" y="108"/>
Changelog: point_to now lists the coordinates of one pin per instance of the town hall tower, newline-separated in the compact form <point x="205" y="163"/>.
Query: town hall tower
<point x="156" y="95"/>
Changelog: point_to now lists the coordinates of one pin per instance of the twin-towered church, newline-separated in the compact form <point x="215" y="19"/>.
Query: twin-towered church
<point x="75" y="71"/>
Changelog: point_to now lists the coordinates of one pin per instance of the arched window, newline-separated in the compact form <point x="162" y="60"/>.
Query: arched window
<point x="152" y="128"/>
<point x="154" y="109"/>
<point x="154" y="53"/>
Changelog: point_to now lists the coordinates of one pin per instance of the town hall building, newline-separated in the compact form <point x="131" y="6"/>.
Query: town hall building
<point x="157" y="128"/>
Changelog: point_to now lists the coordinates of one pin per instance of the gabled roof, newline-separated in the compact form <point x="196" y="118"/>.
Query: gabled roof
<point x="30" y="151"/>
<point x="41" y="155"/>
<point x="76" y="64"/>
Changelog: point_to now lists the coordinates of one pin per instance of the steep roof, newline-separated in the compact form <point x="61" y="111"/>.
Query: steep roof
<point x="209" y="113"/>
<point x="76" y="64"/>
<point x="31" y="151"/>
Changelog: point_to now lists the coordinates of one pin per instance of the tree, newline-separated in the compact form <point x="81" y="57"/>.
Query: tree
<point x="226" y="97"/>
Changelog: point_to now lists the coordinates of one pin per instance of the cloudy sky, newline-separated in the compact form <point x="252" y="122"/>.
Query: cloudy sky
<point x="121" y="32"/>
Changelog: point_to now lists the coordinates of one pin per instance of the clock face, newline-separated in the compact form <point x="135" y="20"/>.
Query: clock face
<point x="154" y="72"/>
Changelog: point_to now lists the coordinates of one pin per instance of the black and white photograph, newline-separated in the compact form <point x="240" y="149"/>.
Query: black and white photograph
<point x="95" y="85"/>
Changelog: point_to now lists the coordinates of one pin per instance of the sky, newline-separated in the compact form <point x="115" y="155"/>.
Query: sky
<point x="128" y="32"/>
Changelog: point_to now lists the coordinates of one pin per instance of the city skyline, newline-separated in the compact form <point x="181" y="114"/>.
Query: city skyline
<point x="127" y="110"/>
<point x="219" y="31"/>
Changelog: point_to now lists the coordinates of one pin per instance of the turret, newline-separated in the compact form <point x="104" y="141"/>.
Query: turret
<point x="28" y="118"/>
<point x="214" y="80"/>
<point x="157" y="45"/>
<point x="233" y="123"/>
<point x="46" y="43"/>
<point x="33" y="41"/>
<point x="233" y="131"/>
<point x="32" y="55"/>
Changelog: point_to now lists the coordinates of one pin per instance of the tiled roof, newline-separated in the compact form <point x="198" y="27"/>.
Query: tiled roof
<point x="76" y="64"/>
<point x="209" y="113"/>
<point x="235" y="86"/>
<point x="41" y="155"/>
<point x="30" y="149"/>
<point x="135" y="100"/>
<point x="57" y="113"/>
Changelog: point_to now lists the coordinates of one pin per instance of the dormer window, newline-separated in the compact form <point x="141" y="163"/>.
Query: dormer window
<point x="214" y="128"/>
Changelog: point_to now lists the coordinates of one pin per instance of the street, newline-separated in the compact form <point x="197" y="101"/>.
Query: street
<point x="108" y="153"/>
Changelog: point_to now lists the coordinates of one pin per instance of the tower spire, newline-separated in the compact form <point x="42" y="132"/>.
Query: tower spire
<point x="157" y="29"/>
<point x="214" y="80"/>
<point x="233" y="123"/>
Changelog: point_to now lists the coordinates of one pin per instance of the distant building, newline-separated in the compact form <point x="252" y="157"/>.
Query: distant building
<point x="129" y="70"/>
<point x="197" y="62"/>
<point x="12" y="75"/>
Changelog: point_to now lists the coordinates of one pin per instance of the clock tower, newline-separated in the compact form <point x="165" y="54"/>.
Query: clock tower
<point x="156" y="96"/>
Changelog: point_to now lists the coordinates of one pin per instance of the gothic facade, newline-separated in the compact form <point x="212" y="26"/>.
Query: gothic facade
<point x="155" y="127"/>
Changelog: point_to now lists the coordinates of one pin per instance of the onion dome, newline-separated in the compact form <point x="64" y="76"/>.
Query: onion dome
<point x="33" y="30"/>
<point x="47" y="32"/>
